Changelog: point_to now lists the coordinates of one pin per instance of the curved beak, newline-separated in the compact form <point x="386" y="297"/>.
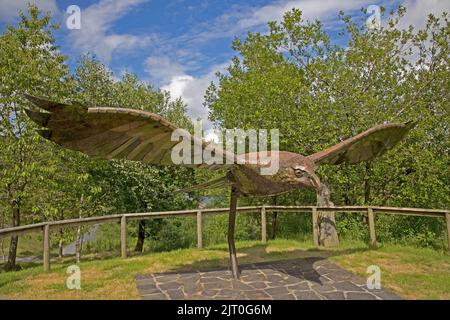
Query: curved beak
<point x="315" y="181"/>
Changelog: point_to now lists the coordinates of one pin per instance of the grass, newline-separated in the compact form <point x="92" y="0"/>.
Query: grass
<point x="29" y="245"/>
<point x="413" y="273"/>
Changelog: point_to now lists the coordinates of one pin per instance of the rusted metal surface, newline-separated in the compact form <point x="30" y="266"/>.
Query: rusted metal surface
<point x="365" y="146"/>
<point x="111" y="133"/>
<point x="118" y="133"/>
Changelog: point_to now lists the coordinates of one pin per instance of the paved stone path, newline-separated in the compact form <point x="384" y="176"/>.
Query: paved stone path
<point x="299" y="279"/>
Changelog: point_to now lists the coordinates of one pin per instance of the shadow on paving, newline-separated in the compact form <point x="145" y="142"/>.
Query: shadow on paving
<point x="246" y="255"/>
<point x="258" y="253"/>
<point x="306" y="278"/>
<point x="289" y="274"/>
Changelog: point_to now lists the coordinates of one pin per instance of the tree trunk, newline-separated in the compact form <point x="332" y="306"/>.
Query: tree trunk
<point x="78" y="245"/>
<point x="79" y="239"/>
<point x="60" y="249"/>
<point x="141" y="237"/>
<point x="328" y="236"/>
<point x="11" y="263"/>
<point x="367" y="168"/>
<point x="61" y="242"/>
<point x="367" y="183"/>
<point x="2" y="243"/>
<point x="3" y="250"/>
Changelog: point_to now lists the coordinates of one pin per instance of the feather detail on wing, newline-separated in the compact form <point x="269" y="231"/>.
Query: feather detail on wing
<point x="116" y="133"/>
<point x="365" y="146"/>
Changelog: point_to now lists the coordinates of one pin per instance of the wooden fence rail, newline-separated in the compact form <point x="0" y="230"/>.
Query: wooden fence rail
<point x="47" y="227"/>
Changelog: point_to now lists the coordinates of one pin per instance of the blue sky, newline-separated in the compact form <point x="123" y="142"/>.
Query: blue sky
<point x="178" y="45"/>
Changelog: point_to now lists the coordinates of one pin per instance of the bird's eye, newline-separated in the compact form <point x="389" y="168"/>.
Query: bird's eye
<point x="299" y="172"/>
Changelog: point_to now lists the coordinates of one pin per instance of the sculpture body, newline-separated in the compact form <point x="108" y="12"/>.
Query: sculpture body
<point x="117" y="133"/>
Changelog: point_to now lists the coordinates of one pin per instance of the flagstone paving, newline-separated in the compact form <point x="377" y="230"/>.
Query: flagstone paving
<point x="299" y="279"/>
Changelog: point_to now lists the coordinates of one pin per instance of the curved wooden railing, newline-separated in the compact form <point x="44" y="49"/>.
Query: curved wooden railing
<point x="47" y="227"/>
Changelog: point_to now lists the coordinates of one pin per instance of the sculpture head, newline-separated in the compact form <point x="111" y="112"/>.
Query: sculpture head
<point x="305" y="175"/>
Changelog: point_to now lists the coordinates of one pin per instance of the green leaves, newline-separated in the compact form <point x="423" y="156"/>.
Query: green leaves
<point x="318" y="93"/>
<point x="48" y="182"/>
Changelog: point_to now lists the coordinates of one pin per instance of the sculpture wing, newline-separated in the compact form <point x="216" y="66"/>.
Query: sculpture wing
<point x="364" y="146"/>
<point x="112" y="133"/>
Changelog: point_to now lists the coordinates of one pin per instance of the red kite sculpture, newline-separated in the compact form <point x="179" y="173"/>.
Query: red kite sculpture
<point x="116" y="133"/>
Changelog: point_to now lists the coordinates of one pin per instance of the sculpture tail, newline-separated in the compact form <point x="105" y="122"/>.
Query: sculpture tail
<point x="212" y="184"/>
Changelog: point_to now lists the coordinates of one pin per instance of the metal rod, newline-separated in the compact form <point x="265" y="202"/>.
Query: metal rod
<point x="231" y="225"/>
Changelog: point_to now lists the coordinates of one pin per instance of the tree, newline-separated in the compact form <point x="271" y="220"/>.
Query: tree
<point x="134" y="186"/>
<point x="317" y="93"/>
<point x="30" y="62"/>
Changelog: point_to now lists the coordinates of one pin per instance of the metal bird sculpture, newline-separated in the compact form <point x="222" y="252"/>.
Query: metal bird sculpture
<point x="117" y="133"/>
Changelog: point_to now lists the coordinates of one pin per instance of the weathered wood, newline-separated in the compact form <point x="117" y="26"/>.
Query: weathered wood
<point x="85" y="221"/>
<point x="319" y="208"/>
<point x="371" y="220"/>
<point x="46" y="255"/>
<point x="123" y="237"/>
<point x="363" y="209"/>
<point x="18" y="231"/>
<point x="211" y="211"/>
<point x="447" y="217"/>
<point x="241" y="210"/>
<point x="263" y="225"/>
<point x="294" y="209"/>
<point x="199" y="230"/>
<point x="153" y="215"/>
<point x="410" y="211"/>
<point x="315" y="227"/>
<point x="55" y="225"/>
<point x="328" y="236"/>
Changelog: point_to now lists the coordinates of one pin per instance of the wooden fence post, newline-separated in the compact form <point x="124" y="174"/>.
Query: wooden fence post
<point x="123" y="236"/>
<point x="371" y="220"/>
<point x="447" y="216"/>
<point x="315" y="227"/>
<point x="46" y="256"/>
<point x="263" y="225"/>
<point x="199" y="230"/>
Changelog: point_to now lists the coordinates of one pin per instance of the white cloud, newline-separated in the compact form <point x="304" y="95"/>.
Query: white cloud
<point x="177" y="86"/>
<point x="174" y="61"/>
<point x="95" y="36"/>
<point x="417" y="11"/>
<point x="9" y="9"/>
<point x="312" y="9"/>
<point x="212" y="135"/>
<point x="178" y="79"/>
<point x="240" y="19"/>
<point x="192" y="89"/>
<point x="161" y="69"/>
